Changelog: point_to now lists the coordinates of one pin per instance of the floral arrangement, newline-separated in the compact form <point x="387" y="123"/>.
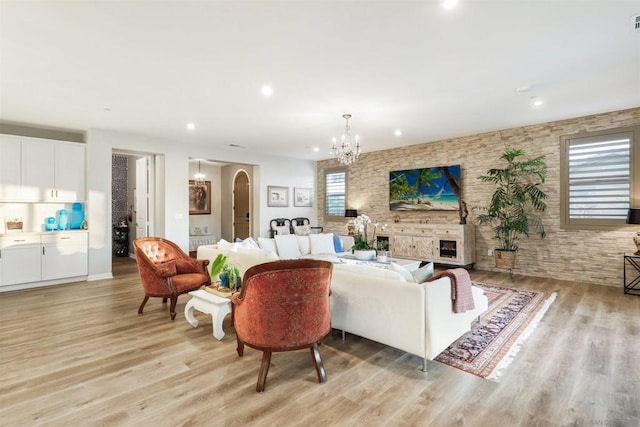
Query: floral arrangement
<point x="362" y="241"/>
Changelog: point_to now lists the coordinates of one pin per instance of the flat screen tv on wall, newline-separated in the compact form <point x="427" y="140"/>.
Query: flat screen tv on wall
<point x="426" y="189"/>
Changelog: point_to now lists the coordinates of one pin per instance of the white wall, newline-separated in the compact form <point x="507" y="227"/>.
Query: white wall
<point x="173" y="173"/>
<point x="283" y="173"/>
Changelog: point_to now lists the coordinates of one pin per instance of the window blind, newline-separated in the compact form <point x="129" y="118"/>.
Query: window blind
<point x="335" y="186"/>
<point x="599" y="174"/>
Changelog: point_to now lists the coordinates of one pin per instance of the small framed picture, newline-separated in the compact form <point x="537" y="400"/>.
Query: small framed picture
<point x="199" y="198"/>
<point x="302" y="197"/>
<point x="277" y="196"/>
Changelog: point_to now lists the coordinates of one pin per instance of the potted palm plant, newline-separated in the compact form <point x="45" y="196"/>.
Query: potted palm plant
<point x="515" y="203"/>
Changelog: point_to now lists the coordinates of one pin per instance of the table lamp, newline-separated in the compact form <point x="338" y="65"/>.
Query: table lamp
<point x="351" y="213"/>
<point x="633" y="217"/>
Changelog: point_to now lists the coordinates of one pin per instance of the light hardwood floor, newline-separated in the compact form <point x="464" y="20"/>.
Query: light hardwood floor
<point x="79" y="354"/>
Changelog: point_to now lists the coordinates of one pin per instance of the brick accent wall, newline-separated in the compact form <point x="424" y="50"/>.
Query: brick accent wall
<point x="586" y="256"/>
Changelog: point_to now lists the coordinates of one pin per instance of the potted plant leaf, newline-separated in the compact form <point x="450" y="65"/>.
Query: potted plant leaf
<point x="218" y="264"/>
<point x="515" y="203"/>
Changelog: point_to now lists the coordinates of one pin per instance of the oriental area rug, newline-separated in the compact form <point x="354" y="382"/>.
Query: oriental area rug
<point x="489" y="347"/>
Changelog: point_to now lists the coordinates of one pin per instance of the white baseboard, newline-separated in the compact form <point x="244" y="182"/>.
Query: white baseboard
<point x="102" y="276"/>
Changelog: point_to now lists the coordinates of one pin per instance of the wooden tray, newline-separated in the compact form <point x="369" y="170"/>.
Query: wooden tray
<point x="221" y="292"/>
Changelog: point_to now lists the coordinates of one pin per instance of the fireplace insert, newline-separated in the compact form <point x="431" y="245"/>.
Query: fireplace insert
<point x="448" y="249"/>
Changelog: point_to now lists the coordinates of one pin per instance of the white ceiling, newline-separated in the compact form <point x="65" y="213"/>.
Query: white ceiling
<point x="413" y="65"/>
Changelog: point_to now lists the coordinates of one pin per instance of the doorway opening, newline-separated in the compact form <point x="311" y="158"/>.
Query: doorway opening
<point x="132" y="201"/>
<point x="241" y="205"/>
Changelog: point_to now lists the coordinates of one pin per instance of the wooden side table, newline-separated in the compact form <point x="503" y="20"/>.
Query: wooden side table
<point x="631" y="274"/>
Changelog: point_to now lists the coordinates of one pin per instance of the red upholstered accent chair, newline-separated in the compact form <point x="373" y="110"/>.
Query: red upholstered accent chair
<point x="283" y="306"/>
<point x="166" y="271"/>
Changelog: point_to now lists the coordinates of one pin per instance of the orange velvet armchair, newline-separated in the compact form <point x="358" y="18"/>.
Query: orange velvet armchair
<point x="166" y="271"/>
<point x="283" y="306"/>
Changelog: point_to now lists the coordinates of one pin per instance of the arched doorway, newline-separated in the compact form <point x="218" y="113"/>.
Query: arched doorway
<point x="241" y="205"/>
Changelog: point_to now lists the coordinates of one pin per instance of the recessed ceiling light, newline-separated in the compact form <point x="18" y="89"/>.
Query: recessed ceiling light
<point x="316" y="149"/>
<point x="536" y="102"/>
<point x="266" y="90"/>
<point x="522" y="89"/>
<point x="397" y="132"/>
<point x="449" y="4"/>
<point x="191" y="126"/>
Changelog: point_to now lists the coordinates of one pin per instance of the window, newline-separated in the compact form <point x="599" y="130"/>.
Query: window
<point x="598" y="172"/>
<point x="335" y="184"/>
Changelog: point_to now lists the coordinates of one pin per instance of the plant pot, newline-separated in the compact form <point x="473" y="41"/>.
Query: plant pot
<point x="365" y="255"/>
<point x="504" y="259"/>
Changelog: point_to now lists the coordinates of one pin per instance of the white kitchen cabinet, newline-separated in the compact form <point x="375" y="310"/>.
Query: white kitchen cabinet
<point x="37" y="170"/>
<point x="70" y="172"/>
<point x="52" y="171"/>
<point x="10" y="150"/>
<point x="38" y="259"/>
<point x="20" y="259"/>
<point x="64" y="255"/>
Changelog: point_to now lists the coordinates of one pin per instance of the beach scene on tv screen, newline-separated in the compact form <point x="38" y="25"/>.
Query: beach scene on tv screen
<point x="425" y="189"/>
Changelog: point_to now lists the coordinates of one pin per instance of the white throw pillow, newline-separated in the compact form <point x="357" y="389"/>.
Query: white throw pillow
<point x="304" y="245"/>
<point x="249" y="242"/>
<point x="268" y="244"/>
<point x="322" y="243"/>
<point x="403" y="271"/>
<point x="225" y="246"/>
<point x="302" y="230"/>
<point x="287" y="246"/>
<point x="423" y="273"/>
<point x="282" y="230"/>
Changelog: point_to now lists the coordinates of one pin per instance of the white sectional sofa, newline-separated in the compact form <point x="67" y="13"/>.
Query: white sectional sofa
<point x="381" y="302"/>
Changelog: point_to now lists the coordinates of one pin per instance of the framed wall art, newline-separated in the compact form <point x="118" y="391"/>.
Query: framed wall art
<point x="277" y="196"/>
<point x="426" y="189"/>
<point x="199" y="198"/>
<point x="302" y="197"/>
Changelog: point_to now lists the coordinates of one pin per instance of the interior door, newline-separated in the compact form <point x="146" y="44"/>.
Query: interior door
<point x="241" y="207"/>
<point x="141" y="198"/>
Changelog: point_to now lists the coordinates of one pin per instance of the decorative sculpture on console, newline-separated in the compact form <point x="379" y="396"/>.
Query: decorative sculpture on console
<point x="463" y="212"/>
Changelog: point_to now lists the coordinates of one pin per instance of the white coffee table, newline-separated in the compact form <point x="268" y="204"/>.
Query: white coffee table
<point x="206" y="302"/>
<point x="409" y="264"/>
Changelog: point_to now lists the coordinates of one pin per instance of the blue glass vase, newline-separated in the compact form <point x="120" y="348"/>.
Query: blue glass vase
<point x="224" y="280"/>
